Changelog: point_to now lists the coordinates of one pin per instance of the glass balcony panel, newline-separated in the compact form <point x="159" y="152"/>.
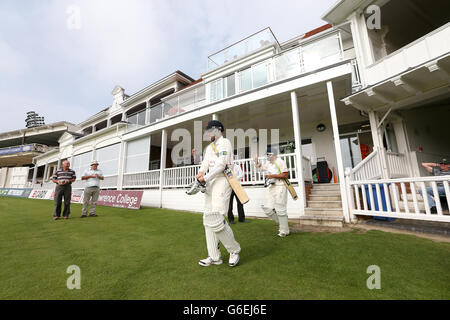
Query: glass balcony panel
<point x="155" y="113"/>
<point x="321" y="53"/>
<point x="141" y="118"/>
<point x="287" y="65"/>
<point x="187" y="100"/>
<point x="133" y="119"/>
<point x="259" y="75"/>
<point x="246" y="46"/>
<point x="246" y="79"/>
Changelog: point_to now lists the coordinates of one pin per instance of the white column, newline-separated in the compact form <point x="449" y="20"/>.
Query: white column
<point x="298" y="151"/>
<point x="162" y="163"/>
<point x="35" y="170"/>
<point x="147" y="112"/>
<point x="378" y="143"/>
<point x="45" y="172"/>
<point x="373" y="118"/>
<point x="215" y="116"/>
<point x="122" y="160"/>
<point x="58" y="165"/>
<point x="337" y="147"/>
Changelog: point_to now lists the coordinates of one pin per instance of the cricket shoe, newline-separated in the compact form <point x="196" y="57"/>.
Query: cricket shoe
<point x="234" y="259"/>
<point x="209" y="261"/>
<point x="282" y="234"/>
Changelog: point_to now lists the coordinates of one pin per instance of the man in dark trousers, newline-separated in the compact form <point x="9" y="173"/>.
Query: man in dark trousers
<point x="63" y="179"/>
<point x="241" y="214"/>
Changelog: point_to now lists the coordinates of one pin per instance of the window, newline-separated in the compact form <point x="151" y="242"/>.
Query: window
<point x="246" y="79"/>
<point x="81" y="162"/>
<point x="230" y="85"/>
<point x="108" y="158"/>
<point x="138" y="155"/>
<point x="215" y="90"/>
<point x="259" y="75"/>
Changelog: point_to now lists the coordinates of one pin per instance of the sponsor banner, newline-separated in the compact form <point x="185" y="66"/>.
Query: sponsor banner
<point x="18" y="149"/>
<point x="77" y="196"/>
<point x="15" y="192"/>
<point x="129" y="199"/>
<point x="40" y="194"/>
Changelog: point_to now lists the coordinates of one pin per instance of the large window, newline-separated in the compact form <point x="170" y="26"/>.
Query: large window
<point x="215" y="90"/>
<point x="138" y="155"/>
<point x="108" y="158"/>
<point x="246" y="79"/>
<point x="81" y="162"/>
<point x="230" y="86"/>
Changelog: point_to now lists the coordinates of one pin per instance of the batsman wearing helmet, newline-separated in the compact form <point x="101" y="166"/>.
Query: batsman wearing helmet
<point x="217" y="156"/>
<point x="276" y="193"/>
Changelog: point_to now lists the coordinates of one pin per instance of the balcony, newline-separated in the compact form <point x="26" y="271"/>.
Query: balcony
<point x="427" y="48"/>
<point x="313" y="55"/>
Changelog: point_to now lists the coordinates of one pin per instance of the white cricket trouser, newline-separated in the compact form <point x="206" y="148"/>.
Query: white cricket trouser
<point x="217" y="197"/>
<point x="275" y="206"/>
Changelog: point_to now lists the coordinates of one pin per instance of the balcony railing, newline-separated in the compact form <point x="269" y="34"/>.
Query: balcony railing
<point x="181" y="177"/>
<point x="261" y="39"/>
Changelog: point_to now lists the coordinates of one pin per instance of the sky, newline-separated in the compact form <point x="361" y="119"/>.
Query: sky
<point x="62" y="58"/>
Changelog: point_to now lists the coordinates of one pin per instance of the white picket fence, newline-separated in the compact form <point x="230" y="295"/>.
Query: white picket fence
<point x="400" y="198"/>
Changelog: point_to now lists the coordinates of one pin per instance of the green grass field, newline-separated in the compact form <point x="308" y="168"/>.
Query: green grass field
<point x="153" y="254"/>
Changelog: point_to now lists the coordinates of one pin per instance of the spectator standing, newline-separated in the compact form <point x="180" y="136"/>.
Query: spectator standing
<point x="63" y="179"/>
<point x="92" y="189"/>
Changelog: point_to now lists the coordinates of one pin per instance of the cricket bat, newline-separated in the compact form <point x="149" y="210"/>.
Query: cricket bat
<point x="290" y="188"/>
<point x="235" y="185"/>
<point x="233" y="181"/>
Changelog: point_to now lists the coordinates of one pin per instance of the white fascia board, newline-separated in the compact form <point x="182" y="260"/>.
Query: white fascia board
<point x="341" y="10"/>
<point x="256" y="94"/>
<point x="99" y="133"/>
<point x="148" y="96"/>
<point x="183" y="90"/>
<point x="169" y="81"/>
<point x="94" y="118"/>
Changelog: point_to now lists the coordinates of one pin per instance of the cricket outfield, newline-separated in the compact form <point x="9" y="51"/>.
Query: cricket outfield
<point x="153" y="254"/>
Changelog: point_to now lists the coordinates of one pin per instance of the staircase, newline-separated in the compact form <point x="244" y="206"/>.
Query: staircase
<point x="324" y="207"/>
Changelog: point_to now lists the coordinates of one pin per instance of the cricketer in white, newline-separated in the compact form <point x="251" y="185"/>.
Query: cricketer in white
<point x="276" y="193"/>
<point x="217" y="197"/>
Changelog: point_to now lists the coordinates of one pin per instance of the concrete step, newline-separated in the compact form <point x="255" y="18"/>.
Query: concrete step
<point x="335" y="212"/>
<point x="325" y="193"/>
<point x="326" y="186"/>
<point x="320" y="197"/>
<point x="324" y="204"/>
<point x="324" y="221"/>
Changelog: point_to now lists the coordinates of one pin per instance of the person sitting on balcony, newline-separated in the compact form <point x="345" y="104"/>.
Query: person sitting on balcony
<point x="276" y="194"/>
<point x="437" y="169"/>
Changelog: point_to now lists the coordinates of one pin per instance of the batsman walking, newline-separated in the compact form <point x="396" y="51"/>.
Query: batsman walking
<point x="217" y="192"/>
